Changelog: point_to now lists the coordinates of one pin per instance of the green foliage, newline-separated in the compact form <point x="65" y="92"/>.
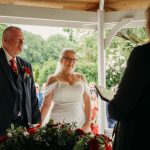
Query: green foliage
<point x="33" y="49"/>
<point x="44" y="54"/>
<point x="52" y="136"/>
<point x="48" y="69"/>
<point x="55" y="44"/>
<point x="2" y="27"/>
<point x="89" y="70"/>
<point x="117" y="54"/>
<point x="36" y="73"/>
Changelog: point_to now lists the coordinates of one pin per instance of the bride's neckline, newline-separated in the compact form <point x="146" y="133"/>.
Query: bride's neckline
<point x="68" y="78"/>
<point x="66" y="74"/>
<point x="67" y="83"/>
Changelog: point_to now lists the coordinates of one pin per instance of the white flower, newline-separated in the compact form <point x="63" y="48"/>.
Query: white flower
<point x="12" y="126"/>
<point x="114" y="73"/>
<point x="123" y="65"/>
<point x="117" y="68"/>
<point x="107" y="67"/>
<point x="25" y="133"/>
<point x="122" y="58"/>
<point x="113" y="62"/>
<point x="9" y="134"/>
<point x="111" y="50"/>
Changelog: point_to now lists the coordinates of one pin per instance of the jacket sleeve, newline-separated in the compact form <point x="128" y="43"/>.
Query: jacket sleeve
<point x="36" y="114"/>
<point x="131" y="87"/>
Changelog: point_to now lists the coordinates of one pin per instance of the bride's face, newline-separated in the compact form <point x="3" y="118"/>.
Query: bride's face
<point x="69" y="61"/>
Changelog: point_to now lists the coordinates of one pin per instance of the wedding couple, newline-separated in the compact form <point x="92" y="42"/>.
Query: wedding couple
<point x="67" y="90"/>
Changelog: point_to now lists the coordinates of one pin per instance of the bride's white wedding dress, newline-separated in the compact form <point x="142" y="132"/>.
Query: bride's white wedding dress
<point x="67" y="102"/>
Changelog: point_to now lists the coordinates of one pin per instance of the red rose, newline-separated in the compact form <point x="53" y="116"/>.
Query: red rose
<point x="80" y="132"/>
<point x="31" y="130"/>
<point x="94" y="144"/>
<point x="38" y="126"/>
<point x="108" y="146"/>
<point x="3" y="139"/>
<point x="106" y="138"/>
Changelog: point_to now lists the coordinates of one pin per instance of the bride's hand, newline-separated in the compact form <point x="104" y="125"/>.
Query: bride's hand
<point x="86" y="127"/>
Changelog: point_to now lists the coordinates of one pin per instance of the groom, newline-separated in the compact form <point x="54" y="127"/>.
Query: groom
<point x="18" y="102"/>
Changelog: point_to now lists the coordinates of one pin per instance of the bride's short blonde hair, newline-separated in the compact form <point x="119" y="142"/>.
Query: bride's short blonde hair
<point x="66" y="50"/>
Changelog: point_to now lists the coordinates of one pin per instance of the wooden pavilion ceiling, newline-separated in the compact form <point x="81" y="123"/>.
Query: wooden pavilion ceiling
<point x="85" y="5"/>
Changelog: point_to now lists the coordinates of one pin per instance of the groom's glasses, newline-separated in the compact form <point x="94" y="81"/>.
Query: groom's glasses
<point x="70" y="59"/>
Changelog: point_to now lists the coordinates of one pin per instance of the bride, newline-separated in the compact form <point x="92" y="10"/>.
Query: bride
<point x="69" y="92"/>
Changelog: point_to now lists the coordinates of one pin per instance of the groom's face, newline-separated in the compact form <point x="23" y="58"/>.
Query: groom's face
<point x="14" y="41"/>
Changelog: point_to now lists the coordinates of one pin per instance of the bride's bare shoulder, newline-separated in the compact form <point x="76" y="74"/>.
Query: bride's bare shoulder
<point x="79" y="76"/>
<point x="52" y="79"/>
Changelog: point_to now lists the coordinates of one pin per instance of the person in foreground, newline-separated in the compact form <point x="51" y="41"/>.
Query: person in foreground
<point x="18" y="102"/>
<point x="131" y="104"/>
<point x="69" y="92"/>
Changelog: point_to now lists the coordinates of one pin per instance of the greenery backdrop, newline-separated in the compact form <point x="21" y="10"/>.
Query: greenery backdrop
<point x="43" y="54"/>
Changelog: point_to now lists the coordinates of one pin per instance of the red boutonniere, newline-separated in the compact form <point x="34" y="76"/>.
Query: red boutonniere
<point x="27" y="72"/>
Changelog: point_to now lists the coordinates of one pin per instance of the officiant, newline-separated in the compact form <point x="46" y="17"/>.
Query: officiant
<point x="18" y="102"/>
<point x="131" y="104"/>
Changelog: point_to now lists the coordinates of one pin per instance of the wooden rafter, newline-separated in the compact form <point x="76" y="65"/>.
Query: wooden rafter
<point x="115" y="5"/>
<point x="87" y="5"/>
<point x="63" y="4"/>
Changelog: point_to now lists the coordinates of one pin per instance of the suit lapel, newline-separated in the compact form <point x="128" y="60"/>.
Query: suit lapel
<point x="21" y="72"/>
<point x="20" y="68"/>
<point x="5" y="66"/>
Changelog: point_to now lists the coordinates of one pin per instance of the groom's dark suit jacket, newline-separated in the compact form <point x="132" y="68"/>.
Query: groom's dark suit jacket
<point x="131" y="104"/>
<point x="17" y="91"/>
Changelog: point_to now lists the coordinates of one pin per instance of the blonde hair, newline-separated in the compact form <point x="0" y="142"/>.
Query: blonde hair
<point x="66" y="50"/>
<point x="147" y="13"/>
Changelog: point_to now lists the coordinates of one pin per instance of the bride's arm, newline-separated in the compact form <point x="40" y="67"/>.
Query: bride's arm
<point x="48" y="96"/>
<point x="87" y="108"/>
<point x="87" y="104"/>
<point x="46" y="105"/>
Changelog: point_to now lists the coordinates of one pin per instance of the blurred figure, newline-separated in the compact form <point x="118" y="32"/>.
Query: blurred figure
<point x="92" y="85"/>
<point x="43" y="86"/>
<point x="94" y="105"/>
<point x="111" y="122"/>
<point x="39" y="94"/>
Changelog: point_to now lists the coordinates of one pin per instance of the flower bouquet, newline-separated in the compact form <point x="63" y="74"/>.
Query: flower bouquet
<point x="53" y="137"/>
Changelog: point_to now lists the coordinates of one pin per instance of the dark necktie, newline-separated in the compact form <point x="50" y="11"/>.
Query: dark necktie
<point x="13" y="65"/>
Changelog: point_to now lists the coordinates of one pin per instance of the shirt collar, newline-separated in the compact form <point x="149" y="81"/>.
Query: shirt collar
<point x="8" y="57"/>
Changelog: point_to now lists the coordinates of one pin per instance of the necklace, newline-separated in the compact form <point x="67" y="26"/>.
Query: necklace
<point x="67" y="77"/>
<point x="65" y="74"/>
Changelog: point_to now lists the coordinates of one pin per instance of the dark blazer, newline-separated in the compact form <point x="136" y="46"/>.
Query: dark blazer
<point x="8" y="93"/>
<point x="131" y="104"/>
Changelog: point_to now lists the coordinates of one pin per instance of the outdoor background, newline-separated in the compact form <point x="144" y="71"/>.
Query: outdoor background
<point x="42" y="50"/>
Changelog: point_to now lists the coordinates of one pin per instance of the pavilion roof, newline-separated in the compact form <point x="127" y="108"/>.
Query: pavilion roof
<point x="85" y="5"/>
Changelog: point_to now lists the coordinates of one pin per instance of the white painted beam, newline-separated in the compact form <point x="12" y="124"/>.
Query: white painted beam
<point x="45" y="16"/>
<point x="124" y="22"/>
<point x="66" y="18"/>
<point x="113" y="18"/>
<point x="101" y="4"/>
<point x="101" y="69"/>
